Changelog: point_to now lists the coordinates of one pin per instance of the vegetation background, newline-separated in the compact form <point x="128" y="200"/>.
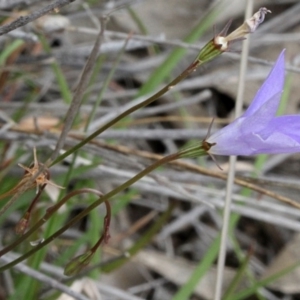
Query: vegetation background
<point x="163" y="240"/>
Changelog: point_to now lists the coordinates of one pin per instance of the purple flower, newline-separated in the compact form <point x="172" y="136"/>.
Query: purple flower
<point x="258" y="130"/>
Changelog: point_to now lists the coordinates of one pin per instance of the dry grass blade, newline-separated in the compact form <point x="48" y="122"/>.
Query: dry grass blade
<point x="197" y="169"/>
<point x="23" y="20"/>
<point x="55" y="284"/>
<point x="36" y="112"/>
<point x="232" y="165"/>
<point x="79" y="91"/>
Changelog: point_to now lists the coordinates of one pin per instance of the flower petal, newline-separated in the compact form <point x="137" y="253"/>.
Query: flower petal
<point x="272" y="85"/>
<point x="258" y="130"/>
<point x="242" y="137"/>
<point x="261" y="117"/>
<point x="282" y="135"/>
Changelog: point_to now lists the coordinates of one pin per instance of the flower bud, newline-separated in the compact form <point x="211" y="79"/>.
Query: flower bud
<point x="249" y="26"/>
<point x="22" y="224"/>
<point x="220" y="43"/>
<point x="78" y="263"/>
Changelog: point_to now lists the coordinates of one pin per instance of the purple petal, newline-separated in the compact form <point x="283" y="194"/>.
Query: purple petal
<point x="272" y="85"/>
<point x="228" y="140"/>
<point x="258" y="131"/>
<point x="282" y="135"/>
<point x="260" y="118"/>
<point x="242" y="137"/>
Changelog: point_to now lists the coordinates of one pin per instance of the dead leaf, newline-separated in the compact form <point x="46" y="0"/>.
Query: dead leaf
<point x="289" y="256"/>
<point x="178" y="271"/>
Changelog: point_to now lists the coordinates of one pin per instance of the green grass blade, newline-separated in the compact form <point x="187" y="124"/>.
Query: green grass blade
<point x="7" y="51"/>
<point x="251" y="290"/>
<point x="237" y="278"/>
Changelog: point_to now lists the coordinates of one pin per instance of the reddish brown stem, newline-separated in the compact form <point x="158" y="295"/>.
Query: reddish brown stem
<point x="105" y="235"/>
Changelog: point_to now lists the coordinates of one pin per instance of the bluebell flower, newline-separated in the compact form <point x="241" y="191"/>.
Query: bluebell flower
<point x="259" y="130"/>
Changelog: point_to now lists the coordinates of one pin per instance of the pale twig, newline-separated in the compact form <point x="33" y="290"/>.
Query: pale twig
<point x="57" y="108"/>
<point x="154" y="134"/>
<point x="154" y="283"/>
<point x="21" y="267"/>
<point x="23" y="20"/>
<point x="57" y="273"/>
<point x="232" y="161"/>
<point x="26" y="36"/>
<point x="254" y="209"/>
<point x="10" y="4"/>
<point x="194" y="47"/>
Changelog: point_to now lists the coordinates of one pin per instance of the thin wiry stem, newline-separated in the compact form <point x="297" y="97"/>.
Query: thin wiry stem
<point x="73" y="221"/>
<point x="252" y="184"/>
<point x="23" y="20"/>
<point x="193" y="168"/>
<point x="130" y="110"/>
<point x="232" y="161"/>
<point x="50" y="211"/>
<point x="164" y="160"/>
<point x="80" y="89"/>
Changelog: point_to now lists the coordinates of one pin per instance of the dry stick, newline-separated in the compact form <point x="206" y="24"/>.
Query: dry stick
<point x="232" y="164"/>
<point x="72" y="112"/>
<point x="23" y="20"/>
<point x="9" y="4"/>
<point x="80" y="89"/>
<point x="194" y="47"/>
<point x="45" y="279"/>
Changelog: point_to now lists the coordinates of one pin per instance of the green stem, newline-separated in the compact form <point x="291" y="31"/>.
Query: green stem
<point x="157" y="95"/>
<point x="101" y="199"/>
<point x="141" y="243"/>
<point x="49" y="213"/>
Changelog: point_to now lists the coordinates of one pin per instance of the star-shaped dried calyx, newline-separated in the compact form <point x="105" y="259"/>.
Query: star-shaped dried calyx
<point x="39" y="182"/>
<point x="42" y="179"/>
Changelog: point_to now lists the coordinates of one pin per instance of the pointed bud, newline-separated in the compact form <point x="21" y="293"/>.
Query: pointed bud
<point x="22" y="224"/>
<point x="249" y="26"/>
<point x="220" y="43"/>
<point x="78" y="263"/>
